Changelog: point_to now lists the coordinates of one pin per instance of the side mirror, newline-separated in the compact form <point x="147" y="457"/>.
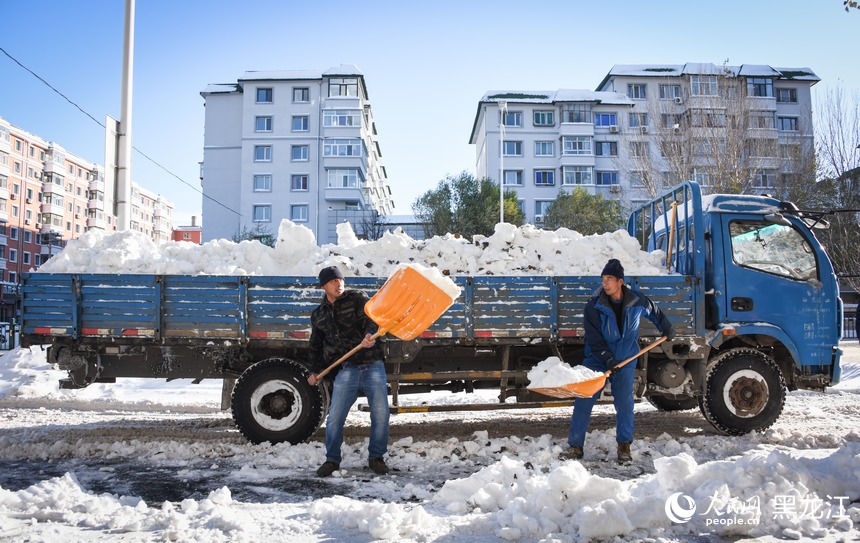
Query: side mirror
<point x="777" y="218"/>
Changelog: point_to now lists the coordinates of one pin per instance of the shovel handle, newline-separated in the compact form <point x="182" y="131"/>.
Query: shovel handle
<point x="635" y="356"/>
<point x="337" y="362"/>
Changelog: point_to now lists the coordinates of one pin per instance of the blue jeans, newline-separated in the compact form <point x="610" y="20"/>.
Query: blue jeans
<point x="370" y="378"/>
<point x="622" y="397"/>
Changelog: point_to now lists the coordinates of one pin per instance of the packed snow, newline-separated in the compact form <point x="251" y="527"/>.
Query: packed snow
<point x="472" y="476"/>
<point x="511" y="250"/>
<point x="554" y="372"/>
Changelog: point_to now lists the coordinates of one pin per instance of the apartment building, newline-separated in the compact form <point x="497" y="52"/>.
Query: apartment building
<point x="49" y="196"/>
<point x="297" y="145"/>
<point x="741" y="128"/>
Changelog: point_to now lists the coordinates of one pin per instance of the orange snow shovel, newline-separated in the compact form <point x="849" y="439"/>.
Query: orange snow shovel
<point x="406" y="305"/>
<point x="588" y="388"/>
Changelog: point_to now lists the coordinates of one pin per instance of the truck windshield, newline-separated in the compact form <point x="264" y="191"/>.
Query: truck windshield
<point x="772" y="248"/>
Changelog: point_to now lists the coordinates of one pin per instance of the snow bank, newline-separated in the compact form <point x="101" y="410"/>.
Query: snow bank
<point x="511" y="250"/>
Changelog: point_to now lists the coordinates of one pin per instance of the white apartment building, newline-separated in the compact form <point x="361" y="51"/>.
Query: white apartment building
<point x="647" y="127"/>
<point x="297" y="145"/>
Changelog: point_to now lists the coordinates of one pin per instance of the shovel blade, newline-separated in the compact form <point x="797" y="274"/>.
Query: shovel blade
<point x="582" y="389"/>
<point x="407" y="304"/>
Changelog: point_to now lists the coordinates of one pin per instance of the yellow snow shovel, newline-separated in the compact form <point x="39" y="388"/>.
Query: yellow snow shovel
<point x="406" y="305"/>
<point x="588" y="388"/>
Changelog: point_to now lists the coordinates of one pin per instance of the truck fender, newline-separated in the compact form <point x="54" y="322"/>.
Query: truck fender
<point x="725" y="332"/>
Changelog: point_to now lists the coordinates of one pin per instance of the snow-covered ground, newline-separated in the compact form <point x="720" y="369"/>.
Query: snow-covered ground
<point x="145" y="460"/>
<point x="465" y="476"/>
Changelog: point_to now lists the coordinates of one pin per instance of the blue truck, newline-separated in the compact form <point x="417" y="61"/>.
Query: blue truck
<point x="751" y="293"/>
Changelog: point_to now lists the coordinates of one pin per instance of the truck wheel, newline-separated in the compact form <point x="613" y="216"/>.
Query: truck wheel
<point x="744" y="392"/>
<point x="664" y="403"/>
<point x="272" y="401"/>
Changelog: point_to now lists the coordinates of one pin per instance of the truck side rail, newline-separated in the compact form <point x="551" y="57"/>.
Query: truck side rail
<point x="177" y="309"/>
<point x="677" y="215"/>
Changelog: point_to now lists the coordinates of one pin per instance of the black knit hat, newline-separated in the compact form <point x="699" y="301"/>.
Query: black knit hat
<point x="613" y="267"/>
<point x="327" y="274"/>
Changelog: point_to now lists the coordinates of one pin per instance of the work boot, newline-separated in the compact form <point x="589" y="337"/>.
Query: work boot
<point x="571" y="453"/>
<point x="327" y="469"/>
<point x="624" y="456"/>
<point x="378" y="466"/>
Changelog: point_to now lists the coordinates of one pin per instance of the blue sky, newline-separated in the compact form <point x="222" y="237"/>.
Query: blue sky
<point x="426" y="64"/>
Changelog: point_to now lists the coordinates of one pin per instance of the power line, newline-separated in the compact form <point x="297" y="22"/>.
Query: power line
<point x="144" y="155"/>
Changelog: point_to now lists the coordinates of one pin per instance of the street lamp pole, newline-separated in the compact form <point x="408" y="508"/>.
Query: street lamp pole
<point x="503" y="110"/>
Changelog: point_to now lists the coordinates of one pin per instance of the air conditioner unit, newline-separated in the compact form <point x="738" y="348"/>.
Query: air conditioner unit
<point x="615" y="188"/>
<point x="538" y="219"/>
<point x="643" y="129"/>
<point x="679" y="100"/>
<point x="77" y="215"/>
<point x="37" y="175"/>
<point x="26" y="221"/>
<point x="613" y="129"/>
<point x="29" y="200"/>
<point x="38" y="226"/>
<point x="13" y="196"/>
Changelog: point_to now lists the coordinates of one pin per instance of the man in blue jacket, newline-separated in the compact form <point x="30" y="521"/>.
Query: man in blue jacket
<point x="612" y="318"/>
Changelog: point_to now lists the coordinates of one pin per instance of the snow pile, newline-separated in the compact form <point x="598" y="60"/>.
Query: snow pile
<point x="511" y="250"/>
<point x="554" y="372"/>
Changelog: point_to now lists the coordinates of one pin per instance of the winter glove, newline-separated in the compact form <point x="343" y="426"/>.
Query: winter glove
<point x="670" y="334"/>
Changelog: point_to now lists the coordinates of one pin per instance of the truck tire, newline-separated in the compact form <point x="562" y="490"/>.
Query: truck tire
<point x="744" y="392"/>
<point x="272" y="401"/>
<point x="663" y="403"/>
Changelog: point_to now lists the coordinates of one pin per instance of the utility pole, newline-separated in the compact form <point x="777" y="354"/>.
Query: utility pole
<point x="123" y="137"/>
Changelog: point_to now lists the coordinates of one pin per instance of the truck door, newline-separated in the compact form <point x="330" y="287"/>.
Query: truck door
<point x="778" y="275"/>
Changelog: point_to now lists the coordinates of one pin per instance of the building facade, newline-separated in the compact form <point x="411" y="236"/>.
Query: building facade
<point x="297" y="145"/>
<point x="647" y="127"/>
<point x="49" y="196"/>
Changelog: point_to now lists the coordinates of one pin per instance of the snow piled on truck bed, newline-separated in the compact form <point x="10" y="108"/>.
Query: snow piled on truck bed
<point x="511" y="250"/>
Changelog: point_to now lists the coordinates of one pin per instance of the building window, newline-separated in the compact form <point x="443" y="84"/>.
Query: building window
<point x="345" y="147"/>
<point x="299" y="182"/>
<point x="301" y="95"/>
<point x="299" y="213"/>
<point x="512" y="148"/>
<point x="668" y="92"/>
<point x="606" y="178"/>
<point x="13" y="255"/>
<point x="544" y="148"/>
<point x="760" y="86"/>
<point x="670" y="120"/>
<point x="576" y="175"/>
<point x="703" y="85"/>
<point x="542" y="206"/>
<point x="343" y="179"/>
<point x="544" y="118"/>
<point x="263" y="124"/>
<point x="605" y="119"/>
<point x="787" y="124"/>
<point x="299" y="153"/>
<point x="703" y="178"/>
<point x="786" y="96"/>
<point x="263" y="213"/>
<point x="761" y="119"/>
<point x="512" y="118"/>
<point x="513" y="178"/>
<point x="576" y="113"/>
<point x="341" y="117"/>
<point x="544" y="177"/>
<point x="343" y="86"/>
<point x="264" y="95"/>
<point x="637" y="119"/>
<point x="262" y="153"/>
<point x="301" y="123"/>
<point x="576" y="145"/>
<point x="764" y="179"/>
<point x="606" y="148"/>
<point x="636" y="91"/>
<point x="262" y="183"/>
<point x="639" y="149"/>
